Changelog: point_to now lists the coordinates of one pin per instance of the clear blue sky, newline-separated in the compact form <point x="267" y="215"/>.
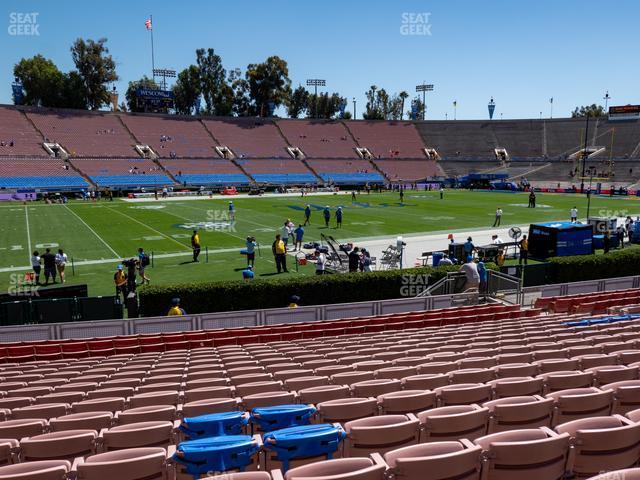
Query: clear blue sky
<point x="521" y="52"/>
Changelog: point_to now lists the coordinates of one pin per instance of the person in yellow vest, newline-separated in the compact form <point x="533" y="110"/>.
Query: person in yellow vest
<point x="280" y="254"/>
<point x="120" y="280"/>
<point x="175" y="308"/>
<point x="195" y="245"/>
<point x="294" y="301"/>
<point x="524" y="250"/>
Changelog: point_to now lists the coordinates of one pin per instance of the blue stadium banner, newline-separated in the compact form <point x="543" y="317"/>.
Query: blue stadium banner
<point x="492" y="108"/>
<point x="271" y="107"/>
<point x="414" y="110"/>
<point x="18" y="93"/>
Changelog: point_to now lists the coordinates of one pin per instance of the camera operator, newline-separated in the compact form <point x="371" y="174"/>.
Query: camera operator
<point x="131" y="264"/>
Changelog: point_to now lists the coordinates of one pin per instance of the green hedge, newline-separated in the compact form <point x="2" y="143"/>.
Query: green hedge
<point x="616" y="263"/>
<point x="273" y="293"/>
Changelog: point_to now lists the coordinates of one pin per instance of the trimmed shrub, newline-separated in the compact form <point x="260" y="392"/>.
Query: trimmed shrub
<point x="616" y="263"/>
<point x="232" y="295"/>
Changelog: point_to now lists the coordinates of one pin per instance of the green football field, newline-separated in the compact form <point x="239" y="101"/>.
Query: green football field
<point x="96" y="235"/>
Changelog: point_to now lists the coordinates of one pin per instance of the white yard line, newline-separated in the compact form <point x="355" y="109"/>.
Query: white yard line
<point x="150" y="228"/>
<point x="92" y="230"/>
<point x="26" y="216"/>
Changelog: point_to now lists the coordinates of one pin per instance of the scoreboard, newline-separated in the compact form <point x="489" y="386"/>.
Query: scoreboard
<point x="624" y="112"/>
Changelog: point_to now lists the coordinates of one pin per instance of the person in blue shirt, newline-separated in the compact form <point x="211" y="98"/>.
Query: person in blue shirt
<point x="339" y="217"/>
<point x="251" y="251"/>
<point x="468" y="247"/>
<point x="482" y="272"/>
<point x="247" y="273"/>
<point x="327" y="216"/>
<point x="232" y="211"/>
<point x="299" y="234"/>
<point x="307" y="215"/>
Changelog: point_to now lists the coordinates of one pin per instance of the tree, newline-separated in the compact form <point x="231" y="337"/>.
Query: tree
<point x="96" y="68"/>
<point x="130" y="95"/>
<point x="218" y="95"/>
<point x="269" y="84"/>
<point x="592" y="110"/>
<point x="41" y="81"/>
<point x="378" y="105"/>
<point x="403" y="96"/>
<point x="394" y="108"/>
<point x="325" y="105"/>
<point x="73" y="92"/>
<point x="419" y="107"/>
<point x="297" y="102"/>
<point x="187" y="90"/>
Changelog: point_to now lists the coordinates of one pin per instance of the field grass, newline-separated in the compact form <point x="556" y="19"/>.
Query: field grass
<point x="96" y="235"/>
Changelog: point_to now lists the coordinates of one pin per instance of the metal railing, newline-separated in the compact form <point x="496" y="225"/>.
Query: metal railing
<point x="508" y="287"/>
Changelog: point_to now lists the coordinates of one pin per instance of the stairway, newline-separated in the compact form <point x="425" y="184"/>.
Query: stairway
<point x="166" y="172"/>
<point x="126" y="127"/>
<point x="81" y="173"/>
<point x="282" y="134"/>
<point x="242" y="169"/>
<point x="312" y="170"/>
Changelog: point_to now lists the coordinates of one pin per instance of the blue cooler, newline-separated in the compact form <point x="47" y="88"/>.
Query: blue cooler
<point x="281" y="416"/>
<point x="217" y="454"/>
<point x="437" y="256"/>
<point x="304" y="442"/>
<point x="214" y="424"/>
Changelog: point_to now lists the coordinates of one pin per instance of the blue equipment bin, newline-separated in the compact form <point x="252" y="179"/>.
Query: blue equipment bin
<point x="282" y="416"/>
<point x="217" y="454"/>
<point x="214" y="424"/>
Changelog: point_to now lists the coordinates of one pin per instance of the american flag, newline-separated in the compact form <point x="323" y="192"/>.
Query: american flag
<point x="148" y="24"/>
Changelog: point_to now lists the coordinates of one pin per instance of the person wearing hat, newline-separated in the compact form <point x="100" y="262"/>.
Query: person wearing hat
<point x="175" y="309"/>
<point x="279" y="250"/>
<point x="299" y="232"/>
<point x="247" y="273"/>
<point x="321" y="260"/>
<point x="327" y="216"/>
<point x="120" y="280"/>
<point x="195" y="245"/>
<point x="468" y="247"/>
<point x="339" y="217"/>
<point x="251" y="251"/>
<point x="293" y="303"/>
<point x="307" y="215"/>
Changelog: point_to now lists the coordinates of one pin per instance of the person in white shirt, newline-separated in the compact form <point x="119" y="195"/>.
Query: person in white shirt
<point x="321" y="260"/>
<point x="574" y="215"/>
<point x="61" y="261"/>
<point x="35" y="264"/>
<point x="496" y="222"/>
<point x="285" y="234"/>
<point x="496" y="240"/>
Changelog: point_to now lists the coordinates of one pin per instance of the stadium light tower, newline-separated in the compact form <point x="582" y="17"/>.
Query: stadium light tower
<point x="354" y="108"/>
<point x="424" y="88"/>
<point x="315" y="83"/>
<point x="606" y="99"/>
<point x="164" y="73"/>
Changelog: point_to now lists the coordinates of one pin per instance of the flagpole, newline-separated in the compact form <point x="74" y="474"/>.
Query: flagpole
<point x="153" y="66"/>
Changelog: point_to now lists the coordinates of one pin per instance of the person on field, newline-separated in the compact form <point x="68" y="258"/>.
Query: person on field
<point x="286" y="231"/>
<point x="327" y="216"/>
<point x="496" y="222"/>
<point x="354" y="259"/>
<point x="442" y="192"/>
<point x="468" y="247"/>
<point x="143" y="262"/>
<point x="299" y="232"/>
<point x="353" y="195"/>
<point x="61" y="262"/>
<point x="307" y="215"/>
<point x="339" y="217"/>
<point x="532" y="199"/>
<point x="321" y="262"/>
<point x="176" y="309"/>
<point x="195" y="245"/>
<point x="251" y="251"/>
<point x="49" y="261"/>
<point x="120" y="281"/>
<point x="232" y="212"/>
<point x="524" y="250"/>
<point x="574" y="214"/>
<point x="35" y="265"/>
<point x="280" y="254"/>
<point x="247" y="273"/>
<point x="401" y="194"/>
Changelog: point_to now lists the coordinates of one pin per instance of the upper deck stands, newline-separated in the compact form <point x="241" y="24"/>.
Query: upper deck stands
<point x="388" y="139"/>
<point x="171" y="136"/>
<point x="319" y="139"/>
<point x="17" y="135"/>
<point x="84" y="134"/>
<point x="459" y="138"/>
<point x="249" y="137"/>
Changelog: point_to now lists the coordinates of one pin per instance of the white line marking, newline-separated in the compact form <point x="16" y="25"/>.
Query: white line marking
<point x="151" y="228"/>
<point x="26" y="216"/>
<point x="92" y="231"/>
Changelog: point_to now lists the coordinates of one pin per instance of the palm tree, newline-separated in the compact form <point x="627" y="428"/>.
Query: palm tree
<point x="403" y="95"/>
